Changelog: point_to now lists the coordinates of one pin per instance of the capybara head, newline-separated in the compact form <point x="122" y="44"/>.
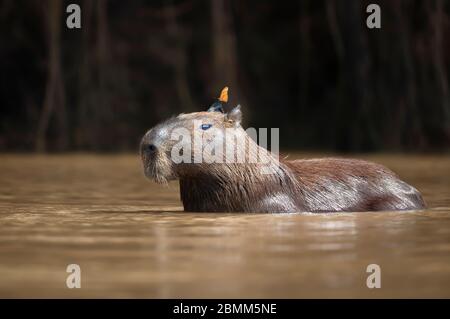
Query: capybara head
<point x="172" y="148"/>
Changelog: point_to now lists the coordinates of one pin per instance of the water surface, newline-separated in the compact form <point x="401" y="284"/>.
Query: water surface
<point x="131" y="238"/>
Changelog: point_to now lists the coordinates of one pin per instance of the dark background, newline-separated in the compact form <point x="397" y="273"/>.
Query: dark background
<point x="311" y="68"/>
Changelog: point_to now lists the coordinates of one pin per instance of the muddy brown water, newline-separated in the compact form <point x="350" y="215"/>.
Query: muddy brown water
<point x="132" y="239"/>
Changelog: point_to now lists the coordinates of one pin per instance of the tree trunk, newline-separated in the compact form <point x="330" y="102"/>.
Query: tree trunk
<point x="224" y="49"/>
<point x="179" y="64"/>
<point x="54" y="101"/>
<point x="439" y="64"/>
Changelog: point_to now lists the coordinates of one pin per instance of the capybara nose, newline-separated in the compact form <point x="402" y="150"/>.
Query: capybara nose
<point x="149" y="148"/>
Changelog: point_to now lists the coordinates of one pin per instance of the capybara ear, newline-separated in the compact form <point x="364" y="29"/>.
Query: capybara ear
<point x="235" y="115"/>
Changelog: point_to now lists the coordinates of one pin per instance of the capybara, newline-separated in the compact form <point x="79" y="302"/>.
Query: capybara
<point x="268" y="184"/>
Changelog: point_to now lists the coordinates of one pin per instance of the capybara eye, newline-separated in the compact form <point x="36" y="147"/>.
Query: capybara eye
<point x="204" y="127"/>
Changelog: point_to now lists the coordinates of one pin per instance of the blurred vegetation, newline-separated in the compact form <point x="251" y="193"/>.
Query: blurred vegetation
<point x="312" y="68"/>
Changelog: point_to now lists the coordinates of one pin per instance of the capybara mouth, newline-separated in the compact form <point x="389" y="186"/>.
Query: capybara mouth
<point x="152" y="173"/>
<point x="159" y="171"/>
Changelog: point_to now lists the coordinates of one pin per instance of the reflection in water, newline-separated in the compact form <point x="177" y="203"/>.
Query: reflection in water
<point x="132" y="239"/>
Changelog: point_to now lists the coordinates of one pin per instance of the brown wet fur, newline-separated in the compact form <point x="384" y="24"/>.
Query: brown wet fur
<point x="309" y="185"/>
